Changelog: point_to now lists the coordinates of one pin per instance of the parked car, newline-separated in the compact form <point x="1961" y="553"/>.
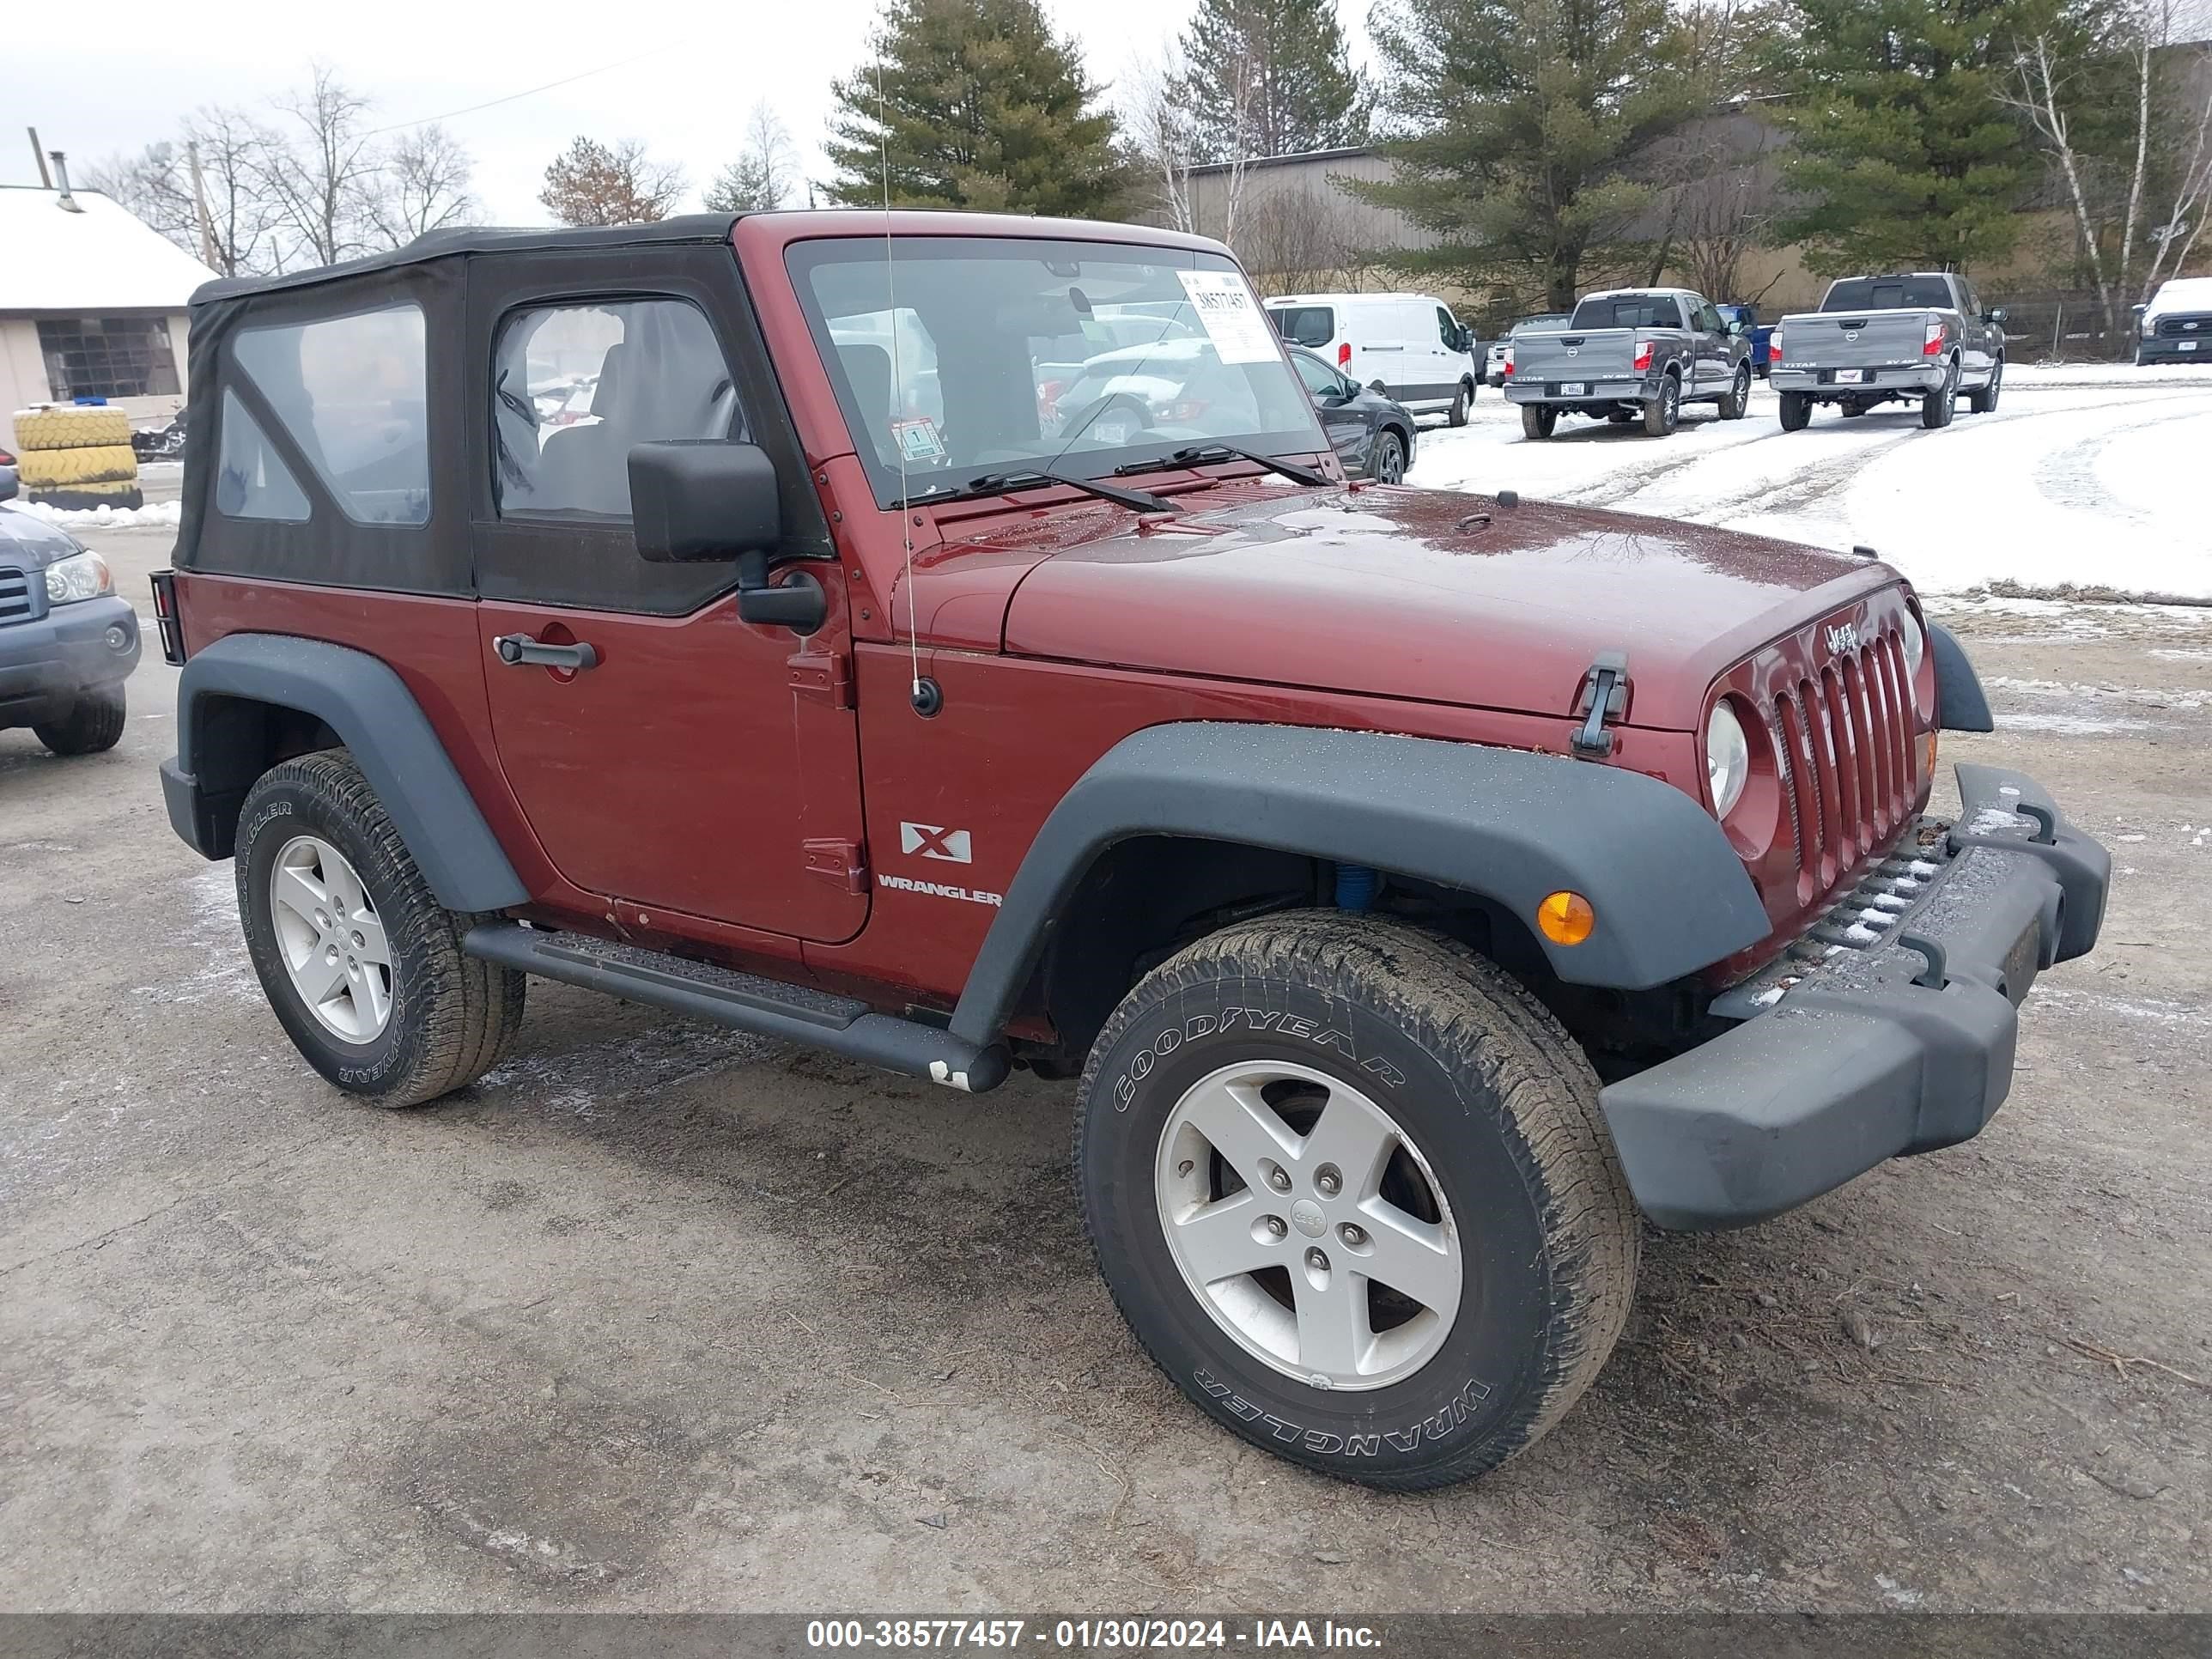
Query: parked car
<point x="1324" y="834"/>
<point x="1493" y="361"/>
<point x="1760" y="334"/>
<point x="1371" y="434"/>
<point x="67" y="642"/>
<point x="1408" y="347"/>
<point x="1628" y="353"/>
<point x="1919" y="338"/>
<point x="2176" y="326"/>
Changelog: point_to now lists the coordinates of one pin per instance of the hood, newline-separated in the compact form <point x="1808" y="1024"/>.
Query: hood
<point x="1433" y="596"/>
<point x="26" y="539"/>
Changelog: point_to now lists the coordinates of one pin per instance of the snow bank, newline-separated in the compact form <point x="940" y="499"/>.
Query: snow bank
<point x="155" y="515"/>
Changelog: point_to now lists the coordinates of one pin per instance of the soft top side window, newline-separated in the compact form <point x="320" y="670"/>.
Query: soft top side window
<point x="352" y="393"/>
<point x="573" y="387"/>
<point x="251" y="480"/>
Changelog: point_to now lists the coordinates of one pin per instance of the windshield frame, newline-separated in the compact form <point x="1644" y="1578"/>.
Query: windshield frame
<point x="803" y="255"/>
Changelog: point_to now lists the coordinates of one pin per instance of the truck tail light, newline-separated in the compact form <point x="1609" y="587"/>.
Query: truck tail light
<point x="1774" y="346"/>
<point x="1643" y="355"/>
<point x="165" y="617"/>
<point x="1344" y="355"/>
<point x="1505" y="363"/>
<point x="1933" y="344"/>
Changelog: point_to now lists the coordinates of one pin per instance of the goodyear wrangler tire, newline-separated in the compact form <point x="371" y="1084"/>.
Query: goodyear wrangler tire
<point x="70" y="429"/>
<point x="68" y="468"/>
<point x="1318" y="1123"/>
<point x="361" y="965"/>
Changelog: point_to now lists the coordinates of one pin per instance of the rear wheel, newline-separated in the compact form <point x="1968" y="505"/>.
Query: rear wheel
<point x="1663" y="413"/>
<point x="94" y="723"/>
<point x="361" y="966"/>
<point x="1349" y="1186"/>
<point x="1388" y="465"/>
<point x="1937" y="407"/>
<point x="1537" y="420"/>
<point x="1797" y="411"/>
<point x="1983" y="401"/>
<point x="1737" y="401"/>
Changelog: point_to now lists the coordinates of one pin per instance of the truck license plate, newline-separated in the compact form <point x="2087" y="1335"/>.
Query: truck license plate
<point x="1580" y="388"/>
<point x="2189" y="345"/>
<point x="1850" y="376"/>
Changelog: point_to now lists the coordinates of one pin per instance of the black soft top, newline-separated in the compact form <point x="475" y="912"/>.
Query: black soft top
<point x="468" y="239"/>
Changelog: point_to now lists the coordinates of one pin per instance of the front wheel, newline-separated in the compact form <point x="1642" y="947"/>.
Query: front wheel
<point x="1538" y="419"/>
<point x="361" y="965"/>
<point x="1664" y="412"/>
<point x="94" y="723"/>
<point x="1737" y="401"/>
<point x="1797" y="411"/>
<point x="1349" y="1186"/>
<point x="1388" y="465"/>
<point x="1983" y="401"/>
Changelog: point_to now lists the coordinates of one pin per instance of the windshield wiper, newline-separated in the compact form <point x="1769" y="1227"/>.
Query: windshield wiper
<point x="1202" y="453"/>
<point x="994" y="483"/>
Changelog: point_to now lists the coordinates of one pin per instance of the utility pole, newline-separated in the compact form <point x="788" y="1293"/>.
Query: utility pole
<point x="46" y="178"/>
<point x="200" y="206"/>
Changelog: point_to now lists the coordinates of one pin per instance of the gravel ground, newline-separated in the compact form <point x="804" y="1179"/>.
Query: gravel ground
<point x="657" y="1317"/>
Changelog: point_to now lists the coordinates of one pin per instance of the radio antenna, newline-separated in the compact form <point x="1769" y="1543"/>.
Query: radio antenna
<point x="898" y="384"/>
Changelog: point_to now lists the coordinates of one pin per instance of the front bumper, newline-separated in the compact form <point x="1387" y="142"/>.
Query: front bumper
<point x="45" y="663"/>
<point x="1848" y="1056"/>
<point x="2159" y="348"/>
<point x="1821" y="382"/>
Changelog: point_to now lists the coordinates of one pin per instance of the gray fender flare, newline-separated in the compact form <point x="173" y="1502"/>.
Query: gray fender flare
<point x="1961" y="704"/>
<point x="1670" y="894"/>
<point x="377" y="718"/>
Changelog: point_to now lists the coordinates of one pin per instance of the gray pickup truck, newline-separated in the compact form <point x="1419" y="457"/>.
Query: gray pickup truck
<point x="1922" y="336"/>
<point x="1627" y="353"/>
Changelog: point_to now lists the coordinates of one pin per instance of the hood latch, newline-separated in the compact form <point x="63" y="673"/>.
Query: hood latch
<point x="1604" y="696"/>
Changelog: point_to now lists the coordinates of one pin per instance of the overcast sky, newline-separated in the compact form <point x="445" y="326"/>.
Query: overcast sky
<point x="678" y="74"/>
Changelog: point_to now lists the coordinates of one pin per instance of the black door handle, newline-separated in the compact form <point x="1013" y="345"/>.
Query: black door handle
<point x="520" y="651"/>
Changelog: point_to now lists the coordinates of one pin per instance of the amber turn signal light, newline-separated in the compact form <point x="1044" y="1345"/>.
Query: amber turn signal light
<point x="1566" y="918"/>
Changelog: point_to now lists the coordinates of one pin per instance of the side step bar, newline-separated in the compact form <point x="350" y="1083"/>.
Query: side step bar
<point x="744" y="1002"/>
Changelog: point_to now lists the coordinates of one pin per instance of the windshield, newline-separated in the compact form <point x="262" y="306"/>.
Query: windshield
<point x="1010" y="355"/>
<point x="1888" y="294"/>
<point x="1628" y="310"/>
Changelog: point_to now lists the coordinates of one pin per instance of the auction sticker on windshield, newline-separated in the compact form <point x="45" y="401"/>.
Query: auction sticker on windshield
<point x="917" y="439"/>
<point x="1224" y="302"/>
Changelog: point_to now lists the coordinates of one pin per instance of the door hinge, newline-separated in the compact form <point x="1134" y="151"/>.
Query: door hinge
<point x="826" y="676"/>
<point x="1604" y="696"/>
<point x="841" y="861"/>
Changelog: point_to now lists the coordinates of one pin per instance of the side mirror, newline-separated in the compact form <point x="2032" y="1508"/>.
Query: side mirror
<point x="2139" y="309"/>
<point x="1997" y="315"/>
<point x="7" y="484"/>
<point x="696" y="500"/>
<point x="1735" y="328"/>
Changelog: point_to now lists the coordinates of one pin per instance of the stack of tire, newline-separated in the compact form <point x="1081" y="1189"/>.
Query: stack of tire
<point x="76" y="456"/>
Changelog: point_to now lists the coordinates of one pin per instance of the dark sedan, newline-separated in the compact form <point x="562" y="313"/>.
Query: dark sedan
<point x="1372" y="435"/>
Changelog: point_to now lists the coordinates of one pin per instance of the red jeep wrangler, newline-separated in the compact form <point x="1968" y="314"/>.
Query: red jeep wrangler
<point x="950" y="642"/>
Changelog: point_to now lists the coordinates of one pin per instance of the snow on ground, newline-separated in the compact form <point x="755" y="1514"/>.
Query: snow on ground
<point x="165" y="515"/>
<point x="2088" y="475"/>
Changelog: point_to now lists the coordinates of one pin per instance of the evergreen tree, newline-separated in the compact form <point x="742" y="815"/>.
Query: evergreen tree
<point x="1902" y="152"/>
<point x="593" y="184"/>
<point x="1270" y="77"/>
<point x="1524" y="122"/>
<point x="982" y="106"/>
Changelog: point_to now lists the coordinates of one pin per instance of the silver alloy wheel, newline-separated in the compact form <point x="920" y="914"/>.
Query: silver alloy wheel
<point x="1312" y="1205"/>
<point x="330" y="939"/>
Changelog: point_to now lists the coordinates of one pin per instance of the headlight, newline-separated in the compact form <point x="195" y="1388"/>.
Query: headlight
<point x="1727" y="758"/>
<point x="80" y="576"/>
<point x="1916" y="650"/>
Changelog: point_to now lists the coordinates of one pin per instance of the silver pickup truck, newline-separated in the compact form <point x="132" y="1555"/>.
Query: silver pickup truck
<point x="1921" y="337"/>
<point x="1629" y="353"/>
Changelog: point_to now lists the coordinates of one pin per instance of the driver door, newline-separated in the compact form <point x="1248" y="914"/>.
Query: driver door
<point x="1333" y="399"/>
<point x="683" y="760"/>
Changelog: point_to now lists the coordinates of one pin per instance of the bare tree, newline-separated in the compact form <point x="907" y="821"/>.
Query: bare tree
<point x="319" y="170"/>
<point x="765" y="174"/>
<point x="242" y="222"/>
<point x="154" y="185"/>
<point x="1728" y="212"/>
<point x="1162" y="135"/>
<point x="594" y="183"/>
<point x="2191" y="203"/>
<point x="421" y="185"/>
<point x="1299" y="236"/>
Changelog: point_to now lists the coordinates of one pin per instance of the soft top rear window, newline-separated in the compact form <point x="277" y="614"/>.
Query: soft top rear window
<point x="1888" y="294"/>
<point x="1305" y="325"/>
<point x="1628" y="310"/>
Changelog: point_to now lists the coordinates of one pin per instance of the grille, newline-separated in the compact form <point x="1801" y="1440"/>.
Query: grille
<point x="2185" y="328"/>
<point x="1845" y="737"/>
<point x="15" y="596"/>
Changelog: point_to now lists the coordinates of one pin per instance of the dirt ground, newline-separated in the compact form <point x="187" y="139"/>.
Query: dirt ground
<point x="662" y="1318"/>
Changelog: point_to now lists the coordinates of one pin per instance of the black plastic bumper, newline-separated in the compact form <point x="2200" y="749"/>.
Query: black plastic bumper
<point x="193" y="815"/>
<point x="1853" y="1056"/>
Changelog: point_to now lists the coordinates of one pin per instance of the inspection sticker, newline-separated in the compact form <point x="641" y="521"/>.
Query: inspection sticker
<point x="1233" y="320"/>
<point x="917" y="439"/>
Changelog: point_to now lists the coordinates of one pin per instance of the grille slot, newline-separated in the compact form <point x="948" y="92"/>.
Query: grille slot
<point x="1845" y="739"/>
<point x="15" y="595"/>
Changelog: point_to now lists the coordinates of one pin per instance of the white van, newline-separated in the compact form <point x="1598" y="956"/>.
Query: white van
<point x="1407" y="346"/>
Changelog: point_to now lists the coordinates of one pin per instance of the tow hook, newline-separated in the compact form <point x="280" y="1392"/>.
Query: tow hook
<point x="1604" y="696"/>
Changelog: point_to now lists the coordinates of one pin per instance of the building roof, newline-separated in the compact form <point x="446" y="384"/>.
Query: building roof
<point x="105" y="258"/>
